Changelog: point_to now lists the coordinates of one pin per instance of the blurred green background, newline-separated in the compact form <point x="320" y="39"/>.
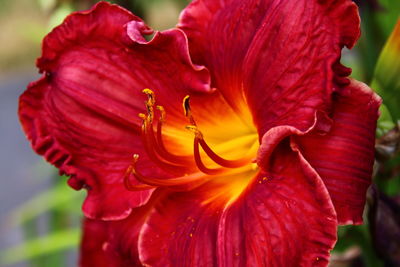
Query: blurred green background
<point x="40" y="216"/>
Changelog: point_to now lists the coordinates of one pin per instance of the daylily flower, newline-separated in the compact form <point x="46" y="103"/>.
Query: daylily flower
<point x="235" y="139"/>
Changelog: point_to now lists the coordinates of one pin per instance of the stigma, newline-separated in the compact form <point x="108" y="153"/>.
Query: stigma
<point x="183" y="168"/>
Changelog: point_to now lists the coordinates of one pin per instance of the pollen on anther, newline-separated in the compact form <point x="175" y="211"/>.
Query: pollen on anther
<point x="186" y="105"/>
<point x="194" y="130"/>
<point x="163" y="113"/>
<point x="191" y="235"/>
<point x="150" y="95"/>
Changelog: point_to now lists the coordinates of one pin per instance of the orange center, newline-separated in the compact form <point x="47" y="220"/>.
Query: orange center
<point x="228" y="160"/>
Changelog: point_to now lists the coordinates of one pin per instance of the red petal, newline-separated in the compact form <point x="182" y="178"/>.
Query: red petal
<point x="107" y="243"/>
<point x="284" y="220"/>
<point x="114" y="243"/>
<point x="82" y="115"/>
<point x="94" y="246"/>
<point x="344" y="157"/>
<point x="278" y="55"/>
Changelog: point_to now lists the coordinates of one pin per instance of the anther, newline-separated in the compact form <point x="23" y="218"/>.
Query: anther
<point x="162" y="113"/>
<point x="142" y="116"/>
<point x="130" y="171"/>
<point x="186" y="109"/>
<point x="151" y="99"/>
<point x="144" y="119"/>
<point x="195" y="130"/>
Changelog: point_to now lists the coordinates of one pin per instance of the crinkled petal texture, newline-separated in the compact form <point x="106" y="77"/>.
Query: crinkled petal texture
<point x="274" y="64"/>
<point x="284" y="218"/>
<point x="345" y="156"/>
<point x="82" y="114"/>
<point x="275" y="56"/>
<point x="285" y="67"/>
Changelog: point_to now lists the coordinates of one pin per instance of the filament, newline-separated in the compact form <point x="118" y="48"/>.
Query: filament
<point x="162" y="182"/>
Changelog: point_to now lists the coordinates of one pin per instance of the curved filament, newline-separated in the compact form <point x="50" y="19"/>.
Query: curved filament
<point x="199" y="162"/>
<point x="127" y="182"/>
<point x="163" y="182"/>
<point x="161" y="149"/>
<point x="175" y="164"/>
<point x="150" y="147"/>
<point x="221" y="161"/>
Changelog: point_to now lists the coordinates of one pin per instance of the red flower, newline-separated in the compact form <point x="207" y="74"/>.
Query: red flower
<point x="273" y="147"/>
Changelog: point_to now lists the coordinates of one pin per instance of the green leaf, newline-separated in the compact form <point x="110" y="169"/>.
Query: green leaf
<point x="351" y="235"/>
<point x="386" y="80"/>
<point x="58" y="196"/>
<point x="51" y="243"/>
<point x="388" y="17"/>
<point x="385" y="121"/>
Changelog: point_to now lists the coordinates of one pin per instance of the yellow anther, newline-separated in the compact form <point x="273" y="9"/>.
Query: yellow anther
<point x="144" y="120"/>
<point x="186" y="109"/>
<point x="151" y="98"/>
<point x="135" y="157"/>
<point x="186" y="106"/>
<point x="163" y="113"/>
<point x="142" y="116"/>
<point x="194" y="130"/>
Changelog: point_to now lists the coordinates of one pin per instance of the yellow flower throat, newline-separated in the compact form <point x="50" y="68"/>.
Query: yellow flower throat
<point x="202" y="164"/>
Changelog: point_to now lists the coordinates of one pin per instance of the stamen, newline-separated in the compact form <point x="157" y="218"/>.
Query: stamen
<point x="161" y="149"/>
<point x="199" y="162"/>
<point x="217" y="159"/>
<point x="157" y="152"/>
<point x="150" y="113"/>
<point x="129" y="172"/>
<point x="151" y="100"/>
<point x="144" y="119"/>
<point x="195" y="130"/>
<point x="162" y="113"/>
<point x="150" y="146"/>
<point x="221" y="161"/>
<point x="164" y="182"/>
